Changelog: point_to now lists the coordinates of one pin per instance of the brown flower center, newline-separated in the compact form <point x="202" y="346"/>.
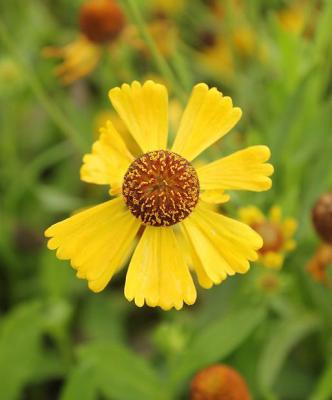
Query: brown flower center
<point x="101" y="20"/>
<point x="272" y="236"/>
<point x="161" y="188"/>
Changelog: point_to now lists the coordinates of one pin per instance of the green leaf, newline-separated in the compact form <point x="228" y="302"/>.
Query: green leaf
<point x="323" y="390"/>
<point x="80" y="384"/>
<point x="286" y="335"/>
<point x="20" y="336"/>
<point x="121" y="374"/>
<point x="215" y="342"/>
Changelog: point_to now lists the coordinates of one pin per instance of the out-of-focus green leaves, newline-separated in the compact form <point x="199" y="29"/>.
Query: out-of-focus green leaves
<point x="215" y="342"/>
<point x="80" y="384"/>
<point x="120" y="374"/>
<point x="20" y="339"/>
<point x="286" y="334"/>
<point x="323" y="390"/>
<point x="57" y="279"/>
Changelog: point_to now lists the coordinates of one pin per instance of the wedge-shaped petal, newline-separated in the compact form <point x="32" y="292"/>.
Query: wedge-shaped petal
<point x="246" y="169"/>
<point x="97" y="241"/>
<point x="194" y="261"/>
<point x="158" y="274"/>
<point x="214" y="196"/>
<point x="223" y="246"/>
<point x="109" y="160"/>
<point x="208" y="116"/>
<point x="144" y="110"/>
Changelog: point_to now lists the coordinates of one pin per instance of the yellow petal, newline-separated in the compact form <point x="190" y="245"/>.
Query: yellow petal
<point x="290" y="245"/>
<point x="289" y="227"/>
<point x="275" y="214"/>
<point x="109" y="160"/>
<point x="245" y="169"/>
<point x="272" y="260"/>
<point x="80" y="58"/>
<point x="96" y="241"/>
<point x="144" y="110"/>
<point x="208" y="117"/>
<point x="251" y="215"/>
<point x="214" y="196"/>
<point x="222" y="244"/>
<point x="195" y="261"/>
<point x="157" y="272"/>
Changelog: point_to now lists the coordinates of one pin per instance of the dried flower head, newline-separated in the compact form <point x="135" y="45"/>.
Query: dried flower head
<point x="101" y="20"/>
<point x="322" y="217"/>
<point x="219" y="382"/>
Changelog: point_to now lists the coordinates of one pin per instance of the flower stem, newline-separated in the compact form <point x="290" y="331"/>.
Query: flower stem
<point x="161" y="64"/>
<point x="55" y="113"/>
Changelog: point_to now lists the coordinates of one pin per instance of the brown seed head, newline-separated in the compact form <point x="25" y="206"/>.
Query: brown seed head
<point x="322" y="217"/>
<point x="161" y="188"/>
<point x="219" y="382"/>
<point x="101" y="20"/>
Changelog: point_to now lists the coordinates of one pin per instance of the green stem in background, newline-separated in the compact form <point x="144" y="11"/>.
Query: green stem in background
<point x="30" y="173"/>
<point x="161" y="64"/>
<point x="181" y="68"/>
<point x="57" y="115"/>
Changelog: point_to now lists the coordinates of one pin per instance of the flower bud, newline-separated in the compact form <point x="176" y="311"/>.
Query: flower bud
<point x="101" y="20"/>
<point x="322" y="217"/>
<point x="219" y="382"/>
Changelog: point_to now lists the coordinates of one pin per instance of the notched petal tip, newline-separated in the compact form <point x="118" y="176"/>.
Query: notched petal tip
<point x="201" y="86"/>
<point x="237" y="113"/>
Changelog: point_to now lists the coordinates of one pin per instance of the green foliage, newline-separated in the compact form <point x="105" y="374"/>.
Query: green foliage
<point x="285" y="335"/>
<point x="215" y="342"/>
<point x="120" y="374"/>
<point x="20" y="340"/>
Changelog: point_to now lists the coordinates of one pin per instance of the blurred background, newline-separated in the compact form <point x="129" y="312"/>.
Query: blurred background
<point x="58" y="59"/>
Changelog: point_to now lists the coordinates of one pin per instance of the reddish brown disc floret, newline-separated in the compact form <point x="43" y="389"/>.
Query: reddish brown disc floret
<point x="101" y="20"/>
<point x="161" y="188"/>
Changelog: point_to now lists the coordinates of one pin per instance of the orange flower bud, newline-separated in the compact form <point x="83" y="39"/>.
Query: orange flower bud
<point x="101" y="20"/>
<point x="219" y="382"/>
<point x="322" y="217"/>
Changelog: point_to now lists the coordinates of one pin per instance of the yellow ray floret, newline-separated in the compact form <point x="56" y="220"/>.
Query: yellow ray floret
<point x="97" y="241"/>
<point x="109" y="160"/>
<point x="80" y="58"/>
<point x="222" y="246"/>
<point x="208" y="116"/>
<point x="158" y="274"/>
<point x="144" y="110"/>
<point x="246" y="170"/>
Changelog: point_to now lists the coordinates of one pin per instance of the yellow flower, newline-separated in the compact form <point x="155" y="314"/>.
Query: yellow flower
<point x="101" y="22"/>
<point x="292" y="18"/>
<point x="159" y="191"/>
<point x="216" y="56"/>
<point x="277" y="234"/>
